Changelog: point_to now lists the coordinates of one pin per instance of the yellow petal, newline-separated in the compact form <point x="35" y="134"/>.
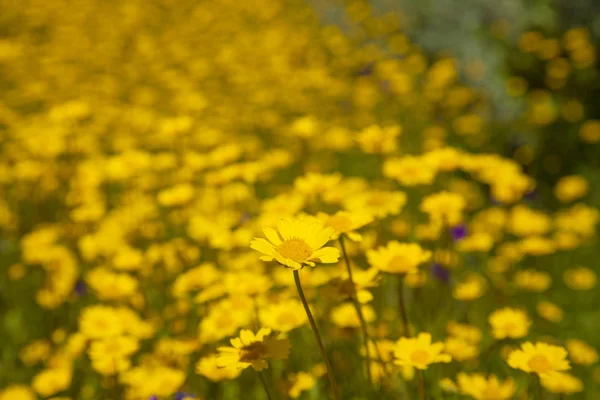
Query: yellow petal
<point x="326" y="255"/>
<point x="263" y="246"/>
<point x="284" y="227"/>
<point x="272" y="235"/>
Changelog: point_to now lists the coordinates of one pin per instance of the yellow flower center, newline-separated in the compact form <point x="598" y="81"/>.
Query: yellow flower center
<point x="340" y="223"/>
<point x="252" y="352"/>
<point x="295" y="249"/>
<point x="377" y="199"/>
<point x="420" y="357"/>
<point x="539" y="364"/>
<point x="399" y="264"/>
<point x="510" y="328"/>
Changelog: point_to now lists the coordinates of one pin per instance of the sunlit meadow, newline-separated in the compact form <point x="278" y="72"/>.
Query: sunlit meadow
<point x="269" y="199"/>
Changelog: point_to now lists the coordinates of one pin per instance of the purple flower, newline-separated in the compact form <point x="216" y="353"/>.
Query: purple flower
<point x="440" y="273"/>
<point x="459" y="231"/>
<point x="182" y="395"/>
<point x="153" y="397"/>
<point x="80" y="287"/>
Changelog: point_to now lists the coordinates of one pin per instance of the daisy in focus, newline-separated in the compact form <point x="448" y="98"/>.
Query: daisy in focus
<point x="299" y="242"/>
<point x="254" y="350"/>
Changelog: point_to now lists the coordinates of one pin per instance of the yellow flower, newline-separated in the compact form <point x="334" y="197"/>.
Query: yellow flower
<point x="524" y="221"/>
<point x="110" y="355"/>
<point x="560" y="382"/>
<point x="460" y="349"/>
<point x="580" y="278"/>
<point x="300" y="382"/>
<point x="299" y="242"/>
<point x="398" y="258"/>
<point x="444" y="207"/>
<point x="149" y="380"/>
<point x="469" y="333"/>
<point x="447" y="385"/>
<point x="254" y="350"/>
<point x="52" y="380"/>
<point x="532" y="280"/>
<point x="207" y="367"/>
<point x="98" y="322"/>
<point x="537" y="246"/>
<point x="345" y="315"/>
<point x="539" y="358"/>
<point x="581" y="353"/>
<point x="177" y="195"/>
<point x="378" y="203"/>
<point x="17" y="392"/>
<point x="346" y="223"/>
<point x="313" y="184"/>
<point x="480" y="388"/>
<point x="509" y="323"/>
<point x="570" y="188"/>
<point x="469" y="289"/>
<point x="549" y="311"/>
<point x="375" y="139"/>
<point x="479" y="241"/>
<point x="283" y="316"/>
<point x="410" y="170"/>
<point x="419" y="352"/>
<point x="589" y="131"/>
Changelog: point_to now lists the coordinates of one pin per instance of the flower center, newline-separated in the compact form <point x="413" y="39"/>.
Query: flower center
<point x="419" y="357"/>
<point x="399" y="264"/>
<point x="539" y="364"/>
<point x="340" y="223"/>
<point x="510" y="328"/>
<point x="295" y="249"/>
<point x="252" y="352"/>
<point x="377" y="199"/>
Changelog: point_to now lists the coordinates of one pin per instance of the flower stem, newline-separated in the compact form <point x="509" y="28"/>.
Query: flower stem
<point x="422" y="385"/>
<point x="402" y="308"/>
<point x="315" y="330"/>
<point x="361" y="318"/>
<point x="264" y="383"/>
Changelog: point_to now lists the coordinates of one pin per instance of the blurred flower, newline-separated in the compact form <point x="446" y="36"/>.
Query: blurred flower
<point x="509" y="323"/>
<point x="480" y="388"/>
<point x="539" y="358"/>
<point x="419" y="352"/>
<point x="398" y="258"/>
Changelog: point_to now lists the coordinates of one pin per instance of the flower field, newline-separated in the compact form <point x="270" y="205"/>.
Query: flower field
<point x="272" y="200"/>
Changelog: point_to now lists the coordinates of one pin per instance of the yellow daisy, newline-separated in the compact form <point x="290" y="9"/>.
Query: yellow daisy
<point x="398" y="258"/>
<point x="419" y="352"/>
<point x="346" y="223"/>
<point x="254" y="350"/>
<point x="480" y="388"/>
<point x="299" y="242"/>
<point x="539" y="358"/>
<point x="509" y="322"/>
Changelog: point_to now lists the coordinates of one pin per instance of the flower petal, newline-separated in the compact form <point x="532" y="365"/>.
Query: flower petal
<point x="272" y="235"/>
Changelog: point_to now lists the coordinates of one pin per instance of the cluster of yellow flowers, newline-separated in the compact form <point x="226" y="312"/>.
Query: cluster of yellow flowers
<point x="189" y="189"/>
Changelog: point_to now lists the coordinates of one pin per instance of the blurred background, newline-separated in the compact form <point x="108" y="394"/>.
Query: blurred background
<point x="148" y="135"/>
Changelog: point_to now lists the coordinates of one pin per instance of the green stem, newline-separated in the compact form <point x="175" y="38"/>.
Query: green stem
<point x="315" y="330"/>
<point x="361" y="318"/>
<point x="422" y="385"/>
<point x="264" y="383"/>
<point x="402" y="308"/>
